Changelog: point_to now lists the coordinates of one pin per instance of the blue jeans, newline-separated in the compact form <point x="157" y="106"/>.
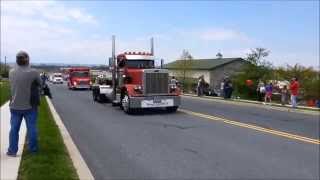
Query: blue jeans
<point x="32" y="134"/>
<point x="294" y="101"/>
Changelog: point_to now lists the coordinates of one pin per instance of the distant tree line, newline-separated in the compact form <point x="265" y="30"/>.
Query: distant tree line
<point x="4" y="70"/>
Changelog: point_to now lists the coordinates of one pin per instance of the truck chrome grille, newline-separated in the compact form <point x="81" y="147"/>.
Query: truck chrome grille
<point x="83" y="82"/>
<point x="156" y="82"/>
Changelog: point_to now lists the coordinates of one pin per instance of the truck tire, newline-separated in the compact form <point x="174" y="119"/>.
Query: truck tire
<point x="172" y="109"/>
<point x="101" y="98"/>
<point x="125" y="104"/>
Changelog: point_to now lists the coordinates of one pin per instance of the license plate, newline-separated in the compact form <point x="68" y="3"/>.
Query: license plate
<point x="156" y="100"/>
<point x="105" y="90"/>
<point x="157" y="103"/>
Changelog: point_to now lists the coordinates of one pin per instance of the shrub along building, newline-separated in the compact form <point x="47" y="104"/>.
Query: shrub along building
<point x="213" y="70"/>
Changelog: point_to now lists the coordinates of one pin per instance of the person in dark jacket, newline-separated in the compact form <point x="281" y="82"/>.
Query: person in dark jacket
<point x="227" y="88"/>
<point x="46" y="91"/>
<point x="44" y="78"/>
<point x="24" y="101"/>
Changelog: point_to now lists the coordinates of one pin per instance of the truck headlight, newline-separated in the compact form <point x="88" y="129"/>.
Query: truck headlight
<point x="74" y="83"/>
<point x="138" y="88"/>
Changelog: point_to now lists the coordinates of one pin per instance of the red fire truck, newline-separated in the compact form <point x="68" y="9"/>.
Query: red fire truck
<point x="79" y="78"/>
<point x="137" y="84"/>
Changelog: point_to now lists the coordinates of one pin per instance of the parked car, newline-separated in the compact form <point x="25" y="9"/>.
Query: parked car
<point x="56" y="78"/>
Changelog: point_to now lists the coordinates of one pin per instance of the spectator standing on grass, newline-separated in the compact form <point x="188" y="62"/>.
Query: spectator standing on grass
<point x="294" y="90"/>
<point x="261" y="90"/>
<point x="25" y="99"/>
<point x="268" y="95"/>
<point x="44" y="78"/>
<point x="284" y="95"/>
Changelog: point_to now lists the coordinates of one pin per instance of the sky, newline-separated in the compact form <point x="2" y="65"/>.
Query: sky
<point x="80" y="31"/>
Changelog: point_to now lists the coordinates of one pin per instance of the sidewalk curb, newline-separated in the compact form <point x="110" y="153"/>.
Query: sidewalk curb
<point x="306" y="109"/>
<point x="78" y="162"/>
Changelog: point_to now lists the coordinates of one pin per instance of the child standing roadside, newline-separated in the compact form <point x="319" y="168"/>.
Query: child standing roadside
<point x="268" y="95"/>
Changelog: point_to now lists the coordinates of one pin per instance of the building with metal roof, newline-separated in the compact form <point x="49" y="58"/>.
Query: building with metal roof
<point x="213" y="70"/>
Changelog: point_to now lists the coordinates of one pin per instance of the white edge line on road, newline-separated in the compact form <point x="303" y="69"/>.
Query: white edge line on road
<point x="78" y="162"/>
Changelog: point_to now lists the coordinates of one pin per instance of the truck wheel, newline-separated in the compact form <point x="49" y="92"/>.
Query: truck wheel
<point x="125" y="104"/>
<point x="101" y="98"/>
<point x="172" y="109"/>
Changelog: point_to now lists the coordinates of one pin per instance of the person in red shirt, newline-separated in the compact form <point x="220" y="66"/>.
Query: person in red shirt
<point x="294" y="89"/>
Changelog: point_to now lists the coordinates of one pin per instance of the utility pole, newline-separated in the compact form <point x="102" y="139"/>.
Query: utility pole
<point x="114" y="69"/>
<point x="184" y="73"/>
<point x="0" y="65"/>
<point x="5" y="64"/>
<point x="161" y="65"/>
<point x="152" y="47"/>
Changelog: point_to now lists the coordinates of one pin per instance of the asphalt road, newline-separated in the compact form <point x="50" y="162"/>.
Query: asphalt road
<point x="158" y="145"/>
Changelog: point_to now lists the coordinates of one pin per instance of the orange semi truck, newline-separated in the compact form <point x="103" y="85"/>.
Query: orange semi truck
<point x="137" y="84"/>
<point x="79" y="78"/>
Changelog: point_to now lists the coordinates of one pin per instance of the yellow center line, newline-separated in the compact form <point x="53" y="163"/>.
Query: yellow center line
<point x="250" y="126"/>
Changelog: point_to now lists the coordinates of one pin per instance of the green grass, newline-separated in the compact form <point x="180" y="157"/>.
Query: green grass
<point x="4" y="92"/>
<point x="52" y="161"/>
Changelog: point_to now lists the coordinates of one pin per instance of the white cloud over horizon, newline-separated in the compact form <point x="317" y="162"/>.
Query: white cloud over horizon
<point x="52" y="32"/>
<point x="41" y="28"/>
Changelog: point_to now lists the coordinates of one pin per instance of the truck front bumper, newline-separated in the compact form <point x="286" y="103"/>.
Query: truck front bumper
<point x="154" y="101"/>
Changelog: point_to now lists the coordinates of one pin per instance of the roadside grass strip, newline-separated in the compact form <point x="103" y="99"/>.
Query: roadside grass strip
<point x="257" y="128"/>
<point x="4" y="92"/>
<point x="52" y="161"/>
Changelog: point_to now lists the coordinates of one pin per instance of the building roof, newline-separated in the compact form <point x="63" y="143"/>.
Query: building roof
<point x="201" y="64"/>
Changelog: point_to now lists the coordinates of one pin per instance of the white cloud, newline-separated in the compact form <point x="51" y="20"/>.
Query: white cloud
<point x="220" y="34"/>
<point x="52" y="32"/>
<point x="212" y="34"/>
<point x="49" y="10"/>
<point x="81" y="17"/>
<point x="43" y="28"/>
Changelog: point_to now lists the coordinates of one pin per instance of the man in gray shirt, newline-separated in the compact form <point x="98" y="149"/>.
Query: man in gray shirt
<point x="25" y="98"/>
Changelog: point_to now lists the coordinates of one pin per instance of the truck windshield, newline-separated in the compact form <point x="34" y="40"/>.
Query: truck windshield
<point x="80" y="74"/>
<point x="140" y="63"/>
<point x="57" y="75"/>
